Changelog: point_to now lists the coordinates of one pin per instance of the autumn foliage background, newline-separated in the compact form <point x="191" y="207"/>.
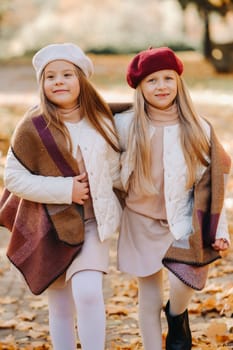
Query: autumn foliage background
<point x="115" y="26"/>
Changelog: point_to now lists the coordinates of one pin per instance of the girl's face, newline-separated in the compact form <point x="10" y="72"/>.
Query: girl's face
<point x="61" y="84"/>
<point x="160" y="88"/>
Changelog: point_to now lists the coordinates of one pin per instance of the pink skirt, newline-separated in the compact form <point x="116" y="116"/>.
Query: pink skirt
<point x="93" y="256"/>
<point x="142" y="244"/>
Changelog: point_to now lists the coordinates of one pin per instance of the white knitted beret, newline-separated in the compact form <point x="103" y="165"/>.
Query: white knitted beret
<point x="68" y="52"/>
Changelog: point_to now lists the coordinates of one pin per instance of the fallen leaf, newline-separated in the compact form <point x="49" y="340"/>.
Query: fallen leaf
<point x="216" y="329"/>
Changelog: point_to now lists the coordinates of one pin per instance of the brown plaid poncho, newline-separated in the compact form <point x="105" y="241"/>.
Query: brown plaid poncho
<point x="38" y="232"/>
<point x="191" y="264"/>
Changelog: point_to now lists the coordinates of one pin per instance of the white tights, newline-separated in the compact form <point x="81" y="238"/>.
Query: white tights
<point x="151" y="302"/>
<point x="83" y="299"/>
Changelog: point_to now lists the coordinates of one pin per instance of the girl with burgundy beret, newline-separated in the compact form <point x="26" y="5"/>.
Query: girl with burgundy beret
<point x="173" y="171"/>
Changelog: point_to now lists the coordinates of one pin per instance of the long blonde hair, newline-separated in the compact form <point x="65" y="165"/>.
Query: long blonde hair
<point x="194" y="141"/>
<point x="92" y="106"/>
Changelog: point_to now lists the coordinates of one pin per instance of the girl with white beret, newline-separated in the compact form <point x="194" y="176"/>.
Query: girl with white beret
<point x="64" y="155"/>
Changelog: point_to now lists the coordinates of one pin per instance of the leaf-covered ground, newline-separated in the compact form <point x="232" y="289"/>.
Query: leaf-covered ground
<point x="24" y="317"/>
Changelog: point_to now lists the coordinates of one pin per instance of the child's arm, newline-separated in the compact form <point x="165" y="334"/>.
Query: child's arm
<point x="222" y="240"/>
<point x="36" y="188"/>
<point x="114" y="167"/>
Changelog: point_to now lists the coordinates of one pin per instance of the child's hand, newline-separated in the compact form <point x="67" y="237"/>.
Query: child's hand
<point x="220" y="244"/>
<point x="80" y="191"/>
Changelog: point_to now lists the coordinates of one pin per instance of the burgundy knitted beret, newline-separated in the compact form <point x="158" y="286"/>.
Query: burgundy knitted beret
<point x="150" y="61"/>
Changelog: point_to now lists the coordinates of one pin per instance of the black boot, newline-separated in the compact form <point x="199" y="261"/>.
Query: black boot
<point x="179" y="334"/>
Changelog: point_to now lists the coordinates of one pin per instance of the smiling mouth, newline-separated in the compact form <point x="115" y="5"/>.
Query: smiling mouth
<point x="57" y="91"/>
<point x="162" y="95"/>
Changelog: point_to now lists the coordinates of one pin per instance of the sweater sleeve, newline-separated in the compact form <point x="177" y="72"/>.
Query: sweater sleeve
<point x="123" y="122"/>
<point x="114" y="166"/>
<point x="222" y="229"/>
<point x="113" y="159"/>
<point x="36" y="188"/>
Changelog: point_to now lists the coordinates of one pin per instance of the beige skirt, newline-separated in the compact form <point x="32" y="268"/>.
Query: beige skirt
<point x="142" y="244"/>
<point x="93" y="256"/>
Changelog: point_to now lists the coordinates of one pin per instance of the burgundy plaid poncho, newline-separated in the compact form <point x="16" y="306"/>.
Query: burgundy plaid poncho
<point x="191" y="264"/>
<point x="39" y="233"/>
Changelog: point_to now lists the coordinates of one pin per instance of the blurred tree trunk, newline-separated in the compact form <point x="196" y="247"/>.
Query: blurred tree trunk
<point x="4" y="8"/>
<point x="207" y="47"/>
<point x="205" y="7"/>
